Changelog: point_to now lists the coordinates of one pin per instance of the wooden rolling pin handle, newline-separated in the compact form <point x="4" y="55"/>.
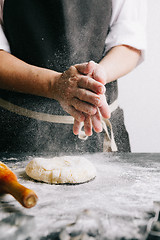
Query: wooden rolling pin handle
<point x="9" y="184"/>
<point x="26" y="197"/>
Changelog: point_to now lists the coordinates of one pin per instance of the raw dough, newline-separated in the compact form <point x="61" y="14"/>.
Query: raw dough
<point x="66" y="169"/>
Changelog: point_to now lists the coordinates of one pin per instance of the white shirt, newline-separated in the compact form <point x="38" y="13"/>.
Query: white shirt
<point x="127" y="26"/>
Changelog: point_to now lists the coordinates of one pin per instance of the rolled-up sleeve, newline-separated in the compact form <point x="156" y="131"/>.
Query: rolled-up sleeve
<point x="128" y="25"/>
<point x="4" y="45"/>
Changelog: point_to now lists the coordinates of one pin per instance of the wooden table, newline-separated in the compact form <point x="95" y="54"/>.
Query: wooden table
<point x="117" y="204"/>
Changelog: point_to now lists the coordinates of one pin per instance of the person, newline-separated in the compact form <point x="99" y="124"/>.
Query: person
<point x="60" y="61"/>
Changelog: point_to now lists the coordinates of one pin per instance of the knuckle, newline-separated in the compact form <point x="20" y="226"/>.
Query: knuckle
<point x="83" y="95"/>
<point x="77" y="104"/>
<point x="72" y="82"/>
<point x="87" y="82"/>
<point x="72" y="70"/>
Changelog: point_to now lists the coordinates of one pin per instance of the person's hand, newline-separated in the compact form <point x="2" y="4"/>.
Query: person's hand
<point x="78" y="94"/>
<point x="95" y="71"/>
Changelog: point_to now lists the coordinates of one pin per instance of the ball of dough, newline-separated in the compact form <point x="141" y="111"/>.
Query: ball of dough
<point x="65" y="169"/>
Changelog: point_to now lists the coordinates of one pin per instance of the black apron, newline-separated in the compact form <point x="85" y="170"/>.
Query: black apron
<point x="55" y="34"/>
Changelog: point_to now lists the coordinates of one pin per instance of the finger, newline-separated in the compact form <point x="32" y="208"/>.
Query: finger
<point x="93" y="69"/>
<point x="89" y="97"/>
<point x="96" y="122"/>
<point x="88" y="125"/>
<point x="91" y="84"/>
<point x="104" y="109"/>
<point x="86" y="68"/>
<point x="72" y="71"/>
<point x="82" y="106"/>
<point x="76" y="127"/>
<point x="78" y="115"/>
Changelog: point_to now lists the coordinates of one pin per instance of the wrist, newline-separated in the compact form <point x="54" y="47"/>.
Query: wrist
<point x="52" y="83"/>
<point x="43" y="81"/>
<point x="105" y="73"/>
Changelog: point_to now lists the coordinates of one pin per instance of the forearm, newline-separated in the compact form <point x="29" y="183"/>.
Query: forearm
<point x="16" y="75"/>
<point x="76" y="93"/>
<point x="119" y="61"/>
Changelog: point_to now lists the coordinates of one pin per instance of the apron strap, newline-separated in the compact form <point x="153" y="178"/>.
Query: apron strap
<point x="109" y="144"/>
<point x="35" y="115"/>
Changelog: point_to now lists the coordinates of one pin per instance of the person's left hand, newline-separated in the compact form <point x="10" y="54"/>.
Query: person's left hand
<point x="96" y="72"/>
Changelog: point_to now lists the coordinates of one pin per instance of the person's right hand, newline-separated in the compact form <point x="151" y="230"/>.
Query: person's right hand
<point x="78" y="94"/>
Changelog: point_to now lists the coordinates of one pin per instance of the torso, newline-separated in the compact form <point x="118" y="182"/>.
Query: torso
<point x="55" y="35"/>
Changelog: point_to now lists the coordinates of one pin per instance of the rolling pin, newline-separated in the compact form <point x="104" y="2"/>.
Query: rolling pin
<point x="9" y="184"/>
